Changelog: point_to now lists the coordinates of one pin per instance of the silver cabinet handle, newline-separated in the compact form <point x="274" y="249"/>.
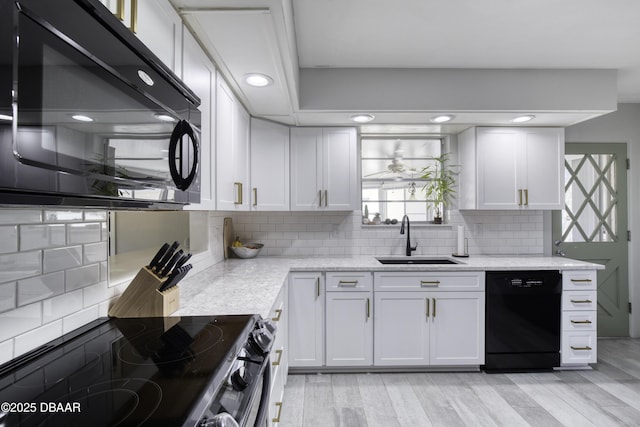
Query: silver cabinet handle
<point x="519" y="197"/>
<point x="434" y="308"/>
<point x="526" y="197"/>
<point x="348" y="283"/>
<point x="318" y="286"/>
<point x="427" y="309"/>
<point x="326" y="198"/>
<point x="238" y="186"/>
<point x="368" y="308"/>
<point x="255" y="197"/>
<point x="581" y="280"/>
<point x="429" y="283"/>
<point x="581" y="301"/>
<point x="581" y="322"/>
<point x="320" y="197"/>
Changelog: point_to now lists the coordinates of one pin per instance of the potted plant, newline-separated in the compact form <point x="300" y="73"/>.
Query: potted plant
<point x="440" y="187"/>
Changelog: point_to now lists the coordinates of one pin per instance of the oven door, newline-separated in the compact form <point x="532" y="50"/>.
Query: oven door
<point x="248" y="406"/>
<point x="91" y="118"/>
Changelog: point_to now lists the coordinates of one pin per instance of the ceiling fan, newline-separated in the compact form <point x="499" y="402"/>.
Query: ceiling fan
<point x="397" y="169"/>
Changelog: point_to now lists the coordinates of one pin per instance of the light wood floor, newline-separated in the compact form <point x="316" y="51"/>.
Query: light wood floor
<point x="609" y="395"/>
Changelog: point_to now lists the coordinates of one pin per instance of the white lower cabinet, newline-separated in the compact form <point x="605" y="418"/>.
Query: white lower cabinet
<point x="306" y="319"/>
<point x="279" y="358"/>
<point x="578" y="338"/>
<point x="348" y="320"/>
<point x="441" y="326"/>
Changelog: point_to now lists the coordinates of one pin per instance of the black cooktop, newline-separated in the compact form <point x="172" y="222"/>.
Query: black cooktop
<point x="125" y="372"/>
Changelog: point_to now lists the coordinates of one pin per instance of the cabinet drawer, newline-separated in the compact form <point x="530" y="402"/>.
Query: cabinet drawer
<point x="349" y="281"/>
<point x="579" y="320"/>
<point x="445" y="281"/>
<point x="578" y="347"/>
<point x="579" y="280"/>
<point x="579" y="300"/>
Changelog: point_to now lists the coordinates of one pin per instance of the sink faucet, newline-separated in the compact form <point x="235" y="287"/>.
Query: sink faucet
<point x="409" y="247"/>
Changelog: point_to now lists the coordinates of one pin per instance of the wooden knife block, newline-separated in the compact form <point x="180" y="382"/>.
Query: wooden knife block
<point x="143" y="299"/>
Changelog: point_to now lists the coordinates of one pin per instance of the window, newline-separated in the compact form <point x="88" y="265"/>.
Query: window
<point x="391" y="169"/>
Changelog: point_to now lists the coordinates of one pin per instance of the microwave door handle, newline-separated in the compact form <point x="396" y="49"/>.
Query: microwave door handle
<point x="181" y="130"/>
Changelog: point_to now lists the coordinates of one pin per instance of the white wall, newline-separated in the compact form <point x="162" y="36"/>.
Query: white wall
<point x="621" y="126"/>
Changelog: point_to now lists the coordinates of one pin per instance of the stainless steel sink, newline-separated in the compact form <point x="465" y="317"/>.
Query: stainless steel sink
<point x="415" y="260"/>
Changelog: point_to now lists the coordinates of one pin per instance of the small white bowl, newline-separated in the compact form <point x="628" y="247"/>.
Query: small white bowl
<point x="248" y="250"/>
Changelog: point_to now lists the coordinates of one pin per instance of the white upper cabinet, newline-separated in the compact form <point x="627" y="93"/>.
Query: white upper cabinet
<point x="511" y="168"/>
<point x="269" y="166"/>
<point x="232" y="150"/>
<point x="157" y="25"/>
<point x="199" y="73"/>
<point x="323" y="169"/>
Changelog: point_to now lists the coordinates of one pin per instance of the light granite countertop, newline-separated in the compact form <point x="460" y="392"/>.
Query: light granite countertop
<point x="238" y="286"/>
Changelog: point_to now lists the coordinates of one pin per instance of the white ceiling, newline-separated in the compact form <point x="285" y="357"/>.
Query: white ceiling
<point x="278" y="37"/>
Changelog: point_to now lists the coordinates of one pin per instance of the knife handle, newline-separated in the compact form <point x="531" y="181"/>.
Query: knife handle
<point x="182" y="260"/>
<point x="167" y="268"/>
<point x="167" y="256"/>
<point x="158" y="256"/>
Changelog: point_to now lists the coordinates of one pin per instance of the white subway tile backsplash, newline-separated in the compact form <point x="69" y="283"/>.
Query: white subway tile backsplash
<point x="20" y="265"/>
<point x="20" y="216"/>
<point x="62" y="258"/>
<point x="63" y="216"/>
<point x="95" y="252"/>
<point x="80" y="318"/>
<point x="94" y="295"/>
<point x="63" y="305"/>
<point x="40" y="287"/>
<point x="36" y="337"/>
<point x="20" y="320"/>
<point x="84" y="233"/>
<point x="6" y="351"/>
<point x="41" y="236"/>
<point x="7" y="296"/>
<point x="80" y="277"/>
<point x="8" y="239"/>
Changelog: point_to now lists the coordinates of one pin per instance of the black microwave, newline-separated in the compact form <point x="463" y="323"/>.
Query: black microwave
<point x="89" y="116"/>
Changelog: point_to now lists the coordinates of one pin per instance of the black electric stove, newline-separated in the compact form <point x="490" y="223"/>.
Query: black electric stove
<point x="126" y="372"/>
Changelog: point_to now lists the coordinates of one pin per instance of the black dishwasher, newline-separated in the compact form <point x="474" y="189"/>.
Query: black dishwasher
<point x="522" y="320"/>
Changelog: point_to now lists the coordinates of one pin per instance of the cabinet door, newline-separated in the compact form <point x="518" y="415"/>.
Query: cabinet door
<point x="349" y="329"/>
<point x="401" y="335"/>
<point x="306" y="320"/>
<point x="339" y="168"/>
<point x="306" y="174"/>
<point x="269" y="166"/>
<point x="241" y="143"/>
<point x="225" y="105"/>
<point x="200" y="75"/>
<point x="497" y="177"/>
<point x="457" y="328"/>
<point x="543" y="167"/>
<point x="159" y="27"/>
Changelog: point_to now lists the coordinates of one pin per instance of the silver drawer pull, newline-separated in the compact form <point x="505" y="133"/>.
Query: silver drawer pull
<point x="581" y="280"/>
<point x="581" y="322"/>
<point x="582" y="301"/>
<point x="585" y="348"/>
<point x="347" y="283"/>
<point x="427" y="283"/>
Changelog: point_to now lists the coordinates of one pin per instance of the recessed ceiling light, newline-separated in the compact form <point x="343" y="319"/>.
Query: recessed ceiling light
<point x="522" y="119"/>
<point x="81" y="118"/>
<point x="362" y="118"/>
<point x="164" y="117"/>
<point x="258" y="80"/>
<point x="442" y="119"/>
